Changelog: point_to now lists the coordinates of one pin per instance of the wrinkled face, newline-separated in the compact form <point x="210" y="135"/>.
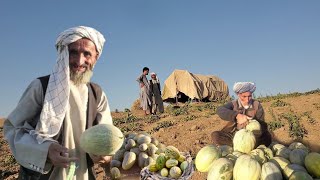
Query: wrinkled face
<point x="82" y="55"/>
<point x="245" y="97"/>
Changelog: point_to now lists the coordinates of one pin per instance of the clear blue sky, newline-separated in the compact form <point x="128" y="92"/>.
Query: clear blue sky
<point x="273" y="43"/>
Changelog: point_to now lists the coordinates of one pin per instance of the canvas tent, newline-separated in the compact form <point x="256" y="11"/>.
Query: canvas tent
<point x="182" y="85"/>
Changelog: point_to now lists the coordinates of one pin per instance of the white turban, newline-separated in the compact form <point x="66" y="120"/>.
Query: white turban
<point x="57" y="93"/>
<point x="241" y="87"/>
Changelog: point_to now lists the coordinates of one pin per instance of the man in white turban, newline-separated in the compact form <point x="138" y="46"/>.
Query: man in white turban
<point x="238" y="113"/>
<point x="44" y="130"/>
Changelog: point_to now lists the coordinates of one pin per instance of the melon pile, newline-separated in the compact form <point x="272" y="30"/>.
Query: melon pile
<point x="170" y="163"/>
<point x="145" y="151"/>
<point x="276" y="162"/>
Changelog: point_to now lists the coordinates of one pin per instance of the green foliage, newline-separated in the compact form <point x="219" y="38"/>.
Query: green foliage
<point x="189" y="118"/>
<point x="163" y="124"/>
<point x="124" y="120"/>
<point x="279" y="103"/>
<point x="152" y="118"/>
<point x="310" y="119"/>
<point x="296" y="130"/>
<point x="317" y="106"/>
<point x="200" y="108"/>
<point x="210" y="106"/>
<point x="9" y="160"/>
<point x="176" y="110"/>
<point x="131" y="127"/>
<point x="275" y="123"/>
<point x="282" y="96"/>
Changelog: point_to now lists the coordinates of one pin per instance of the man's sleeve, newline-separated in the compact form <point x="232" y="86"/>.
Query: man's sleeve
<point x="139" y="79"/>
<point x="226" y="112"/>
<point x="21" y="120"/>
<point x="103" y="111"/>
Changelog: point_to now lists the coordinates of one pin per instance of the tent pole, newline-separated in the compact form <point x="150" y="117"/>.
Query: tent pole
<point x="176" y="100"/>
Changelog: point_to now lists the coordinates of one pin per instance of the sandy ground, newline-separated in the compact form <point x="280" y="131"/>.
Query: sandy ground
<point x="191" y="132"/>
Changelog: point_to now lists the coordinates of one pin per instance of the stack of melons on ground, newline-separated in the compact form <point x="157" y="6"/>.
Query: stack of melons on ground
<point x="243" y="162"/>
<point x="143" y="150"/>
<point x="170" y="163"/>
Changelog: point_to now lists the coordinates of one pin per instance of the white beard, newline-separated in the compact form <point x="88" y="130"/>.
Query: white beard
<point x="81" y="78"/>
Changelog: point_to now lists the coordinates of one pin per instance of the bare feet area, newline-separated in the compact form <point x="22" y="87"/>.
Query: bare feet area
<point x="188" y="127"/>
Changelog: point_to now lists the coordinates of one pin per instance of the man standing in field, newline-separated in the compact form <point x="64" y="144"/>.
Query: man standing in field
<point x="44" y="130"/>
<point x="145" y="98"/>
<point x="238" y="112"/>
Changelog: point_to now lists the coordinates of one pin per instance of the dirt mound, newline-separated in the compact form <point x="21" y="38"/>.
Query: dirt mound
<point x="188" y="127"/>
<point x="136" y="105"/>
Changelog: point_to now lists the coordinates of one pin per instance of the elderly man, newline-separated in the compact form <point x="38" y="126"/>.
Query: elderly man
<point x="43" y="131"/>
<point x="145" y="98"/>
<point x="238" y="112"/>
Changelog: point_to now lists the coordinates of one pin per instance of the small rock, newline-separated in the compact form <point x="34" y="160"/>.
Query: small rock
<point x="193" y="128"/>
<point x="197" y="141"/>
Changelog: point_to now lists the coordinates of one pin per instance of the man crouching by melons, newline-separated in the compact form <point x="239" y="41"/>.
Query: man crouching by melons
<point x="239" y="113"/>
<point x="44" y="130"/>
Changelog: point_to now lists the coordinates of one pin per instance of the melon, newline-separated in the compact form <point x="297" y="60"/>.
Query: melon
<point x="225" y="150"/>
<point x="258" y="155"/>
<point x="246" y="168"/>
<point x="291" y="168"/>
<point x="161" y="161"/>
<point x="164" y="172"/>
<point x="171" y="162"/>
<point x="312" y="163"/>
<point x="144" y="139"/>
<point x="244" y="141"/>
<point x="255" y="127"/>
<point x="280" y="162"/>
<point x="283" y="152"/>
<point x="206" y="156"/>
<point x="300" y="175"/>
<point x="276" y="146"/>
<point x="184" y="165"/>
<point x="115" y="173"/>
<point x="298" y="145"/>
<point x="129" y="160"/>
<point x="102" y="140"/>
<point x="172" y="152"/>
<point x="297" y="156"/>
<point x="270" y="171"/>
<point x="221" y="169"/>
<point x="175" y="172"/>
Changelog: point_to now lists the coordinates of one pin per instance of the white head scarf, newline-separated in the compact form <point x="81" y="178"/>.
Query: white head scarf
<point x="156" y="80"/>
<point x="241" y="87"/>
<point x="57" y="93"/>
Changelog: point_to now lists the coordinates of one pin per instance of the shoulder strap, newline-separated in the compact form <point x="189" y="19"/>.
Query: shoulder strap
<point x="95" y="93"/>
<point x="44" y="82"/>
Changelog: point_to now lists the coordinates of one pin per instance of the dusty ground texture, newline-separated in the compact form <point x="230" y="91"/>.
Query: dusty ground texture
<point x="188" y="128"/>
